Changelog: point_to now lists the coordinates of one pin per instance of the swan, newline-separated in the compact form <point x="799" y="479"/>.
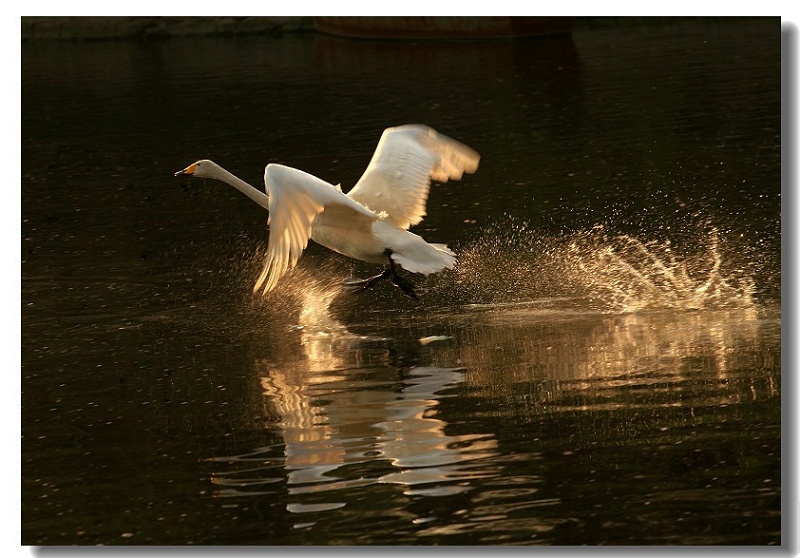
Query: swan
<point x="370" y="223"/>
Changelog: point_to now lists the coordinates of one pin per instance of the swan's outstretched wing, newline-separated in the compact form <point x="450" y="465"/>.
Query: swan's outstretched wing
<point x="296" y="198"/>
<point x="399" y="175"/>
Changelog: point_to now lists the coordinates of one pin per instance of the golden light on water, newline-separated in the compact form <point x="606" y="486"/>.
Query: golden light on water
<point x="580" y="319"/>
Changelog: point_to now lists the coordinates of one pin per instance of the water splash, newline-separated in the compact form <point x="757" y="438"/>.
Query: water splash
<point x="608" y="272"/>
<point x="302" y="301"/>
<point x="627" y="274"/>
<point x="504" y="265"/>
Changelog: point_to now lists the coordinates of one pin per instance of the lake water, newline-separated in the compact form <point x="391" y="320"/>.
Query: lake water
<point x="603" y="367"/>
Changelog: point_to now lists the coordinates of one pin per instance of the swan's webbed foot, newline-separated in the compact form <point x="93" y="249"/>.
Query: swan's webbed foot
<point x="391" y="272"/>
<point x="364" y="284"/>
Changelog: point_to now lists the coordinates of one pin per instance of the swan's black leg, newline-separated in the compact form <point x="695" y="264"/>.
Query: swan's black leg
<point x="390" y="272"/>
<point x="405" y="285"/>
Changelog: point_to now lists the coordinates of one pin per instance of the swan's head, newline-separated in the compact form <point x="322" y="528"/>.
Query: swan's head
<point x="201" y="169"/>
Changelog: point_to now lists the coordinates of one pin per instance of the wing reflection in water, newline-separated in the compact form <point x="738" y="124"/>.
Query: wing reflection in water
<point x="349" y="418"/>
<point x="354" y="418"/>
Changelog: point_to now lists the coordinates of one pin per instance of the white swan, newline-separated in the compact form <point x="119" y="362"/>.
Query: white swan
<point x="371" y="222"/>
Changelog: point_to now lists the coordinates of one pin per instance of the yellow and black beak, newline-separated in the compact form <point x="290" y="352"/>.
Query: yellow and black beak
<point x="188" y="171"/>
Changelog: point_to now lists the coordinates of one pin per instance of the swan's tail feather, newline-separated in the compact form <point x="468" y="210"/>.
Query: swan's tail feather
<point x="431" y="259"/>
<point x="445" y="250"/>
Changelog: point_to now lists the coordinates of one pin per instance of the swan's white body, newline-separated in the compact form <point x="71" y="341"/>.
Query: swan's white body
<point x="371" y="221"/>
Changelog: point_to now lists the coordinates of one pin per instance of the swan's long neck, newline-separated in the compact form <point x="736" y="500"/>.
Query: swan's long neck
<point x="254" y="194"/>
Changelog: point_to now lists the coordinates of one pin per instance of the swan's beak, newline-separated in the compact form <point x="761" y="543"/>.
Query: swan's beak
<point x="187" y="171"/>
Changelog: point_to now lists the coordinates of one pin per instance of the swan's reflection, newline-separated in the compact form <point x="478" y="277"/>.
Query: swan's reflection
<point x="337" y="420"/>
<point x="350" y="415"/>
<point x="348" y="418"/>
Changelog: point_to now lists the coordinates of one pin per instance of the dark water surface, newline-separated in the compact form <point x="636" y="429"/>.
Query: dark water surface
<point x="603" y="367"/>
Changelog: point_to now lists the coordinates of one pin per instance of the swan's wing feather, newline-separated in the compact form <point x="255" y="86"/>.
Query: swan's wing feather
<point x="398" y="177"/>
<point x="296" y="198"/>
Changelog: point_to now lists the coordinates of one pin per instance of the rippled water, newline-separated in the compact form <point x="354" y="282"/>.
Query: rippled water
<point x="602" y="367"/>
